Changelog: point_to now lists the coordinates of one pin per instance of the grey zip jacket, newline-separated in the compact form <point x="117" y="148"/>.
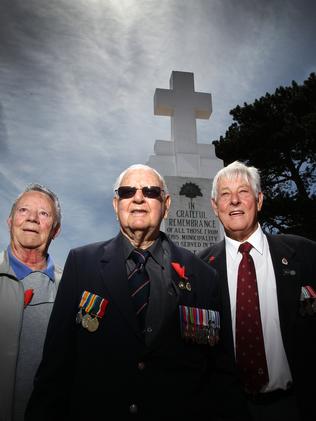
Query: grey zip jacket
<point x="11" y="316"/>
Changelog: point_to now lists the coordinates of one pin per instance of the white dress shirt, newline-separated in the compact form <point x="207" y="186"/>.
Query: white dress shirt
<point x="278" y="367"/>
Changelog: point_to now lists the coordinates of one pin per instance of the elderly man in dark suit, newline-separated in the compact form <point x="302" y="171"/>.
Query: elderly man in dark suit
<point x="118" y="351"/>
<point x="268" y="286"/>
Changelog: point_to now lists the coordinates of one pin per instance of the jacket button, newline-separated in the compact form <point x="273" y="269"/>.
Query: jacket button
<point x="141" y="365"/>
<point x="133" y="409"/>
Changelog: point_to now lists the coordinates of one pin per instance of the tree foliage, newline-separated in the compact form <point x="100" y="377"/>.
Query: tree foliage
<point x="277" y="134"/>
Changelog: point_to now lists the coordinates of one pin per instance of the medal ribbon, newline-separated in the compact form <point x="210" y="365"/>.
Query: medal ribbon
<point x="84" y="297"/>
<point x="311" y="291"/>
<point x="183" y="310"/>
<point x="198" y="324"/>
<point x="102" y="308"/>
<point x="93" y="304"/>
<point x="198" y="316"/>
<point x="214" y="317"/>
<point x="90" y="303"/>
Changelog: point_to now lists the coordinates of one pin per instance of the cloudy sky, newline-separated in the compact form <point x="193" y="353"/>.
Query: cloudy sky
<point x="77" y="80"/>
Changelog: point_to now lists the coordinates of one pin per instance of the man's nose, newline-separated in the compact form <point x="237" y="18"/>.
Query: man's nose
<point x="234" y="198"/>
<point x="33" y="215"/>
<point x="139" y="197"/>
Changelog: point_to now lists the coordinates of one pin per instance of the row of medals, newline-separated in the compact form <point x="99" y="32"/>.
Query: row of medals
<point x="308" y="307"/>
<point x="87" y="321"/>
<point x="201" y="334"/>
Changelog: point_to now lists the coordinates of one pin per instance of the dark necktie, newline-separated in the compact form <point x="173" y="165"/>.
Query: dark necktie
<point x="250" y="352"/>
<point x="139" y="284"/>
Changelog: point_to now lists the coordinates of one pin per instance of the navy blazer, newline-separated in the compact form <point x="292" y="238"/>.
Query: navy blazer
<point x="112" y="371"/>
<point x="294" y="263"/>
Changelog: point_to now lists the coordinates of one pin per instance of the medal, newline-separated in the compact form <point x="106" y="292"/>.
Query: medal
<point x="181" y="285"/>
<point x="211" y="340"/>
<point x="91" y="309"/>
<point x="185" y="285"/>
<point x="198" y="325"/>
<point x="92" y="324"/>
<point x="79" y="317"/>
<point x="309" y="308"/>
<point x="307" y="301"/>
<point x="85" y="320"/>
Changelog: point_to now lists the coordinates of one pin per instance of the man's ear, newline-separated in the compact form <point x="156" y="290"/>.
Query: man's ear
<point x="260" y="201"/>
<point x="56" y="231"/>
<point x="167" y="203"/>
<point x="214" y="206"/>
<point x="9" y="221"/>
<point x="115" y="205"/>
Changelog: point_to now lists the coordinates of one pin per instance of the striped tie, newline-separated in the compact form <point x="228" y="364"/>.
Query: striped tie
<point x="139" y="284"/>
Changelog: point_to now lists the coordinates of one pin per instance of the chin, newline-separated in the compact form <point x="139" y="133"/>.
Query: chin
<point x="139" y="227"/>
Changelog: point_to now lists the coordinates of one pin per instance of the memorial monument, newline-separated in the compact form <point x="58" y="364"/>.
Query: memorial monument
<point x="187" y="166"/>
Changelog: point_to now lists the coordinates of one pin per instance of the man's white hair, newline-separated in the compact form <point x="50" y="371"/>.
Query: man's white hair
<point x="42" y="189"/>
<point x="140" y="167"/>
<point x="237" y="169"/>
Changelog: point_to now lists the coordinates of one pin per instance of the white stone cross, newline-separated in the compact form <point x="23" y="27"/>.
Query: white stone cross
<point x="184" y="106"/>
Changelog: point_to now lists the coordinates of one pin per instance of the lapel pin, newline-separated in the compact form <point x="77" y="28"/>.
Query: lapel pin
<point x="184" y="281"/>
<point x="284" y="261"/>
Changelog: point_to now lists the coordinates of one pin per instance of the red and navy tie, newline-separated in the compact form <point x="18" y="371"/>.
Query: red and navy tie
<point x="139" y="284"/>
<point x="250" y="352"/>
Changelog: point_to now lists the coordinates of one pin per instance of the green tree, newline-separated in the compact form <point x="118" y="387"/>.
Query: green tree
<point x="277" y="134"/>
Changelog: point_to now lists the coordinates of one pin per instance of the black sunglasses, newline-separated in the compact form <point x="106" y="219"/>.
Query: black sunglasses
<point x="126" y="192"/>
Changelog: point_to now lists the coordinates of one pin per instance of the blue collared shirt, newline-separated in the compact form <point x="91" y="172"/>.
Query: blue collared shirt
<point x="21" y="270"/>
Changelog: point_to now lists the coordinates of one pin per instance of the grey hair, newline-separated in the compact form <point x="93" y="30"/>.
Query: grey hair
<point x="140" y="167"/>
<point x="238" y="169"/>
<point x="42" y="189"/>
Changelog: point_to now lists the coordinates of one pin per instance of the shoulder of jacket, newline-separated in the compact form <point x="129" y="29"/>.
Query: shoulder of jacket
<point x="290" y="239"/>
<point x="91" y="246"/>
<point x="4" y="262"/>
<point x="58" y="271"/>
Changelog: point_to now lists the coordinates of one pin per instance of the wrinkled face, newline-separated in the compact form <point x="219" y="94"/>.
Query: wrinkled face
<point x="31" y="225"/>
<point x="237" y="207"/>
<point x="140" y="213"/>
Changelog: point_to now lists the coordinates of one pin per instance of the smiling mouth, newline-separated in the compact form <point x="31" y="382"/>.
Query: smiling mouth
<point x="29" y="230"/>
<point x="236" y="213"/>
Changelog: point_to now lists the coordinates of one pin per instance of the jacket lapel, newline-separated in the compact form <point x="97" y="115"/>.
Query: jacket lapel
<point x="113" y="273"/>
<point x="218" y="260"/>
<point x="165" y="301"/>
<point x="287" y="273"/>
<point x="178" y="257"/>
<point x="170" y="293"/>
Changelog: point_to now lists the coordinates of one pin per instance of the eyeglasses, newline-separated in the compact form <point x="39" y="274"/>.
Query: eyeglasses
<point x="126" y="192"/>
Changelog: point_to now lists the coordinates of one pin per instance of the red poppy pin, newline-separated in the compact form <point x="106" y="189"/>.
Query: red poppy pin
<point x="28" y="295"/>
<point x="184" y="283"/>
<point x="211" y="259"/>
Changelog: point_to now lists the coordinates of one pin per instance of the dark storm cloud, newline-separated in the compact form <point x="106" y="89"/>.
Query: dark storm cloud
<point x="77" y="80"/>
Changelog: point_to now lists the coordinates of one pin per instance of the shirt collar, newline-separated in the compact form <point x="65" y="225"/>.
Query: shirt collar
<point x="155" y="249"/>
<point x="256" y="240"/>
<point x="21" y="270"/>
